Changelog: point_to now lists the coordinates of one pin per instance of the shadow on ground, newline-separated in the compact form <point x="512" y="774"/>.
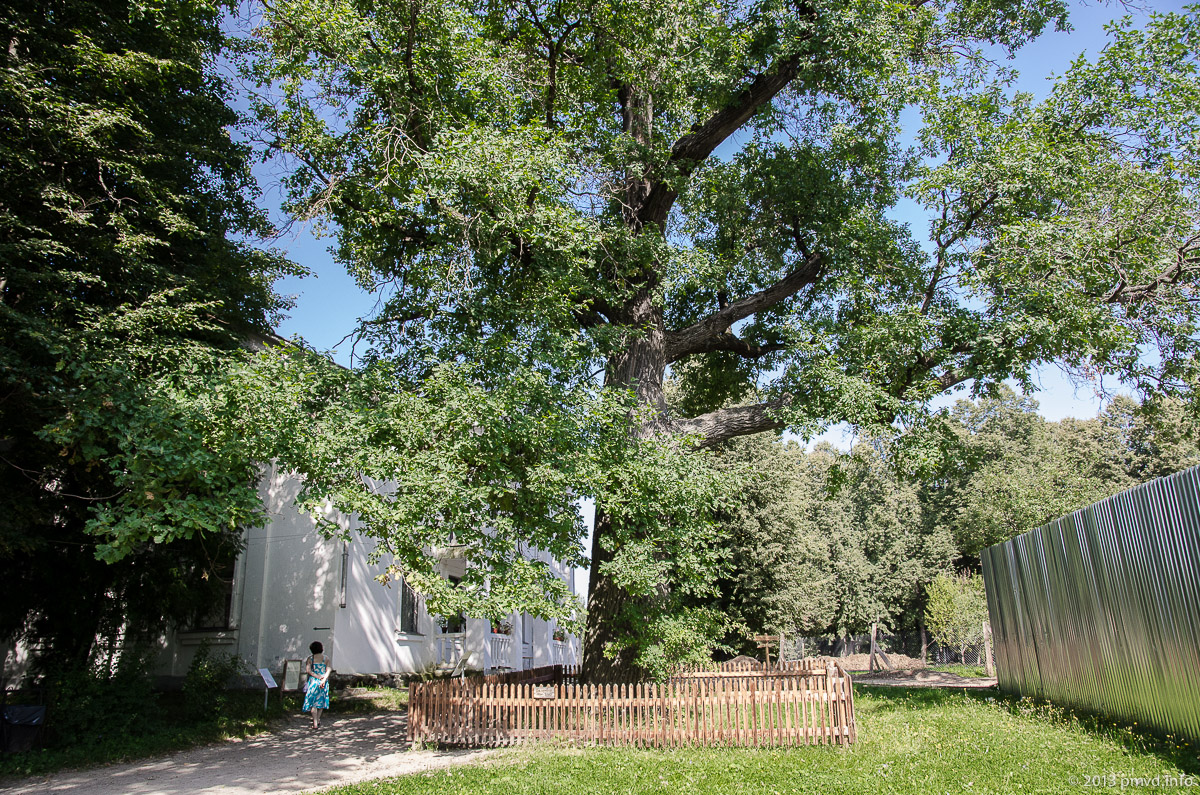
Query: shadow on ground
<point x="348" y="748"/>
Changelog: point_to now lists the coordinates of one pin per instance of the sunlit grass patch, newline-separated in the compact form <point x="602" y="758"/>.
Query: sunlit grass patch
<point x="911" y="740"/>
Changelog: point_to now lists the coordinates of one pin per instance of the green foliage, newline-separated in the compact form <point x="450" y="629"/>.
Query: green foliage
<point x="91" y="706"/>
<point x="1011" y="470"/>
<point x="883" y="552"/>
<point x="126" y="278"/>
<point x="660" y="546"/>
<point x="824" y="542"/>
<point x="956" y="609"/>
<point x="542" y="179"/>
<point x="493" y="473"/>
<point x="168" y="727"/>
<point x="780" y="576"/>
<point x="145" y="421"/>
<point x="208" y="679"/>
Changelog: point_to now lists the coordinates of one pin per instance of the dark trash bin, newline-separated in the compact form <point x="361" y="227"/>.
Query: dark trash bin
<point x="22" y="726"/>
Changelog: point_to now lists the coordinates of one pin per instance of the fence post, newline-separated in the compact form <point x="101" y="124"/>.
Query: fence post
<point x="988" y="661"/>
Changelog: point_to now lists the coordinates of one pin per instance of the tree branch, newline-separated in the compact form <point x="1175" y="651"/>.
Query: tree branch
<point x="717" y="426"/>
<point x="1126" y="294"/>
<point x="728" y="342"/>
<point x="695" y="337"/>
<point x="952" y="377"/>
<point x="704" y="137"/>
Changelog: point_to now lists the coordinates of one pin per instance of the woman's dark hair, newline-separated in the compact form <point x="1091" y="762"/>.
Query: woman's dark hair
<point x="315" y="647"/>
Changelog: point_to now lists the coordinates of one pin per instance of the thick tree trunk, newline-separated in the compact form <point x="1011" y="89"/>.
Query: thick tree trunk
<point x="640" y="367"/>
<point x="608" y="617"/>
<point x="649" y="349"/>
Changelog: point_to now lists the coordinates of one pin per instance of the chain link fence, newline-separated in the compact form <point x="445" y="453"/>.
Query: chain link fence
<point x="909" y="644"/>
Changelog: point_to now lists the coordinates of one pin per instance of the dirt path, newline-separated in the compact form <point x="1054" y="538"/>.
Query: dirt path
<point x="292" y="759"/>
<point x="923" y="678"/>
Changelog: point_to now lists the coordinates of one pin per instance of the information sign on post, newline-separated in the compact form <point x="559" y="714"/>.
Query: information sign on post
<point x="269" y="681"/>
<point x="291" y="674"/>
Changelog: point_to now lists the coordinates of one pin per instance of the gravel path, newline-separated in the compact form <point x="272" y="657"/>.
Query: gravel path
<point x="291" y="759"/>
<point x="923" y="679"/>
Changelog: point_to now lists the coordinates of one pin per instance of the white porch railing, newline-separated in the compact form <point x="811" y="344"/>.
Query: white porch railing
<point x="450" y="649"/>
<point x="560" y="653"/>
<point x="499" y="651"/>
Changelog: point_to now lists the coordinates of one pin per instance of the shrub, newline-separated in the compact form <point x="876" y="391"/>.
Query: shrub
<point x="90" y="706"/>
<point x="205" y="688"/>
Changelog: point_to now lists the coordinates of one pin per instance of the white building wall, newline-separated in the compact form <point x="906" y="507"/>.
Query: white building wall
<point x="368" y="637"/>
<point x="291" y="587"/>
<point x="286" y="586"/>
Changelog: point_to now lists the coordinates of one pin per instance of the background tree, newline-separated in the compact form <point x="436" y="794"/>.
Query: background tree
<point x="1014" y="471"/>
<point x="778" y="576"/>
<point x="123" y="286"/>
<point x="545" y="177"/>
<point x="884" y="552"/>
<point x="956" y="610"/>
<point x="826" y="542"/>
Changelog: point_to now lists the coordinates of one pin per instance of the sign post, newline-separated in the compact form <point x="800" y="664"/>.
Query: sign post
<point x="765" y="642"/>
<point x="269" y="682"/>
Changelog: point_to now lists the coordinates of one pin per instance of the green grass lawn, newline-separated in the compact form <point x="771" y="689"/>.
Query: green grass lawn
<point x="910" y="741"/>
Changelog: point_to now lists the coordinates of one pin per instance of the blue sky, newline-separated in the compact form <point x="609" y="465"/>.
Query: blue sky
<point x="329" y="303"/>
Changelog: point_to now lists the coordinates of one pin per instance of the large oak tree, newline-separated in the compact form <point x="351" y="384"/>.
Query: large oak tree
<point x="629" y="189"/>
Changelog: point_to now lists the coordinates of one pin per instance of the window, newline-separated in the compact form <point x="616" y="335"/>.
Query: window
<point x="408" y="609"/>
<point x="218" y="612"/>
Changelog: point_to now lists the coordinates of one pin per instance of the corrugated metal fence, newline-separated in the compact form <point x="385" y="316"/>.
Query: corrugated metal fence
<point x="1100" y="609"/>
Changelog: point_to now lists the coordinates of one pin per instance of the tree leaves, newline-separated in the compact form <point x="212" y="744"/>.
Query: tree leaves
<point x="125" y="280"/>
<point x="598" y="185"/>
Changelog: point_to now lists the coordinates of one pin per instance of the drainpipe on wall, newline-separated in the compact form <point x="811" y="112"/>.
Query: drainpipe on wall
<point x="345" y="568"/>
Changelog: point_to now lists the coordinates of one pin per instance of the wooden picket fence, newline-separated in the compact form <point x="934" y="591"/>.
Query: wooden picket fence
<point x="546" y="674"/>
<point x="803" y="706"/>
<point x="744" y="666"/>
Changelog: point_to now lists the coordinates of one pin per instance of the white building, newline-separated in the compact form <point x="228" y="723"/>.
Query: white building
<point x="291" y="586"/>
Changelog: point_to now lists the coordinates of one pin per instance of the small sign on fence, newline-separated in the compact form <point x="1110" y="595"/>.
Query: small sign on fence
<point x="543" y="691"/>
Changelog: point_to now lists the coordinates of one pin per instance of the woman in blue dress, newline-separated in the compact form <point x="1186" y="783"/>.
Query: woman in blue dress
<point x="316" y="693"/>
